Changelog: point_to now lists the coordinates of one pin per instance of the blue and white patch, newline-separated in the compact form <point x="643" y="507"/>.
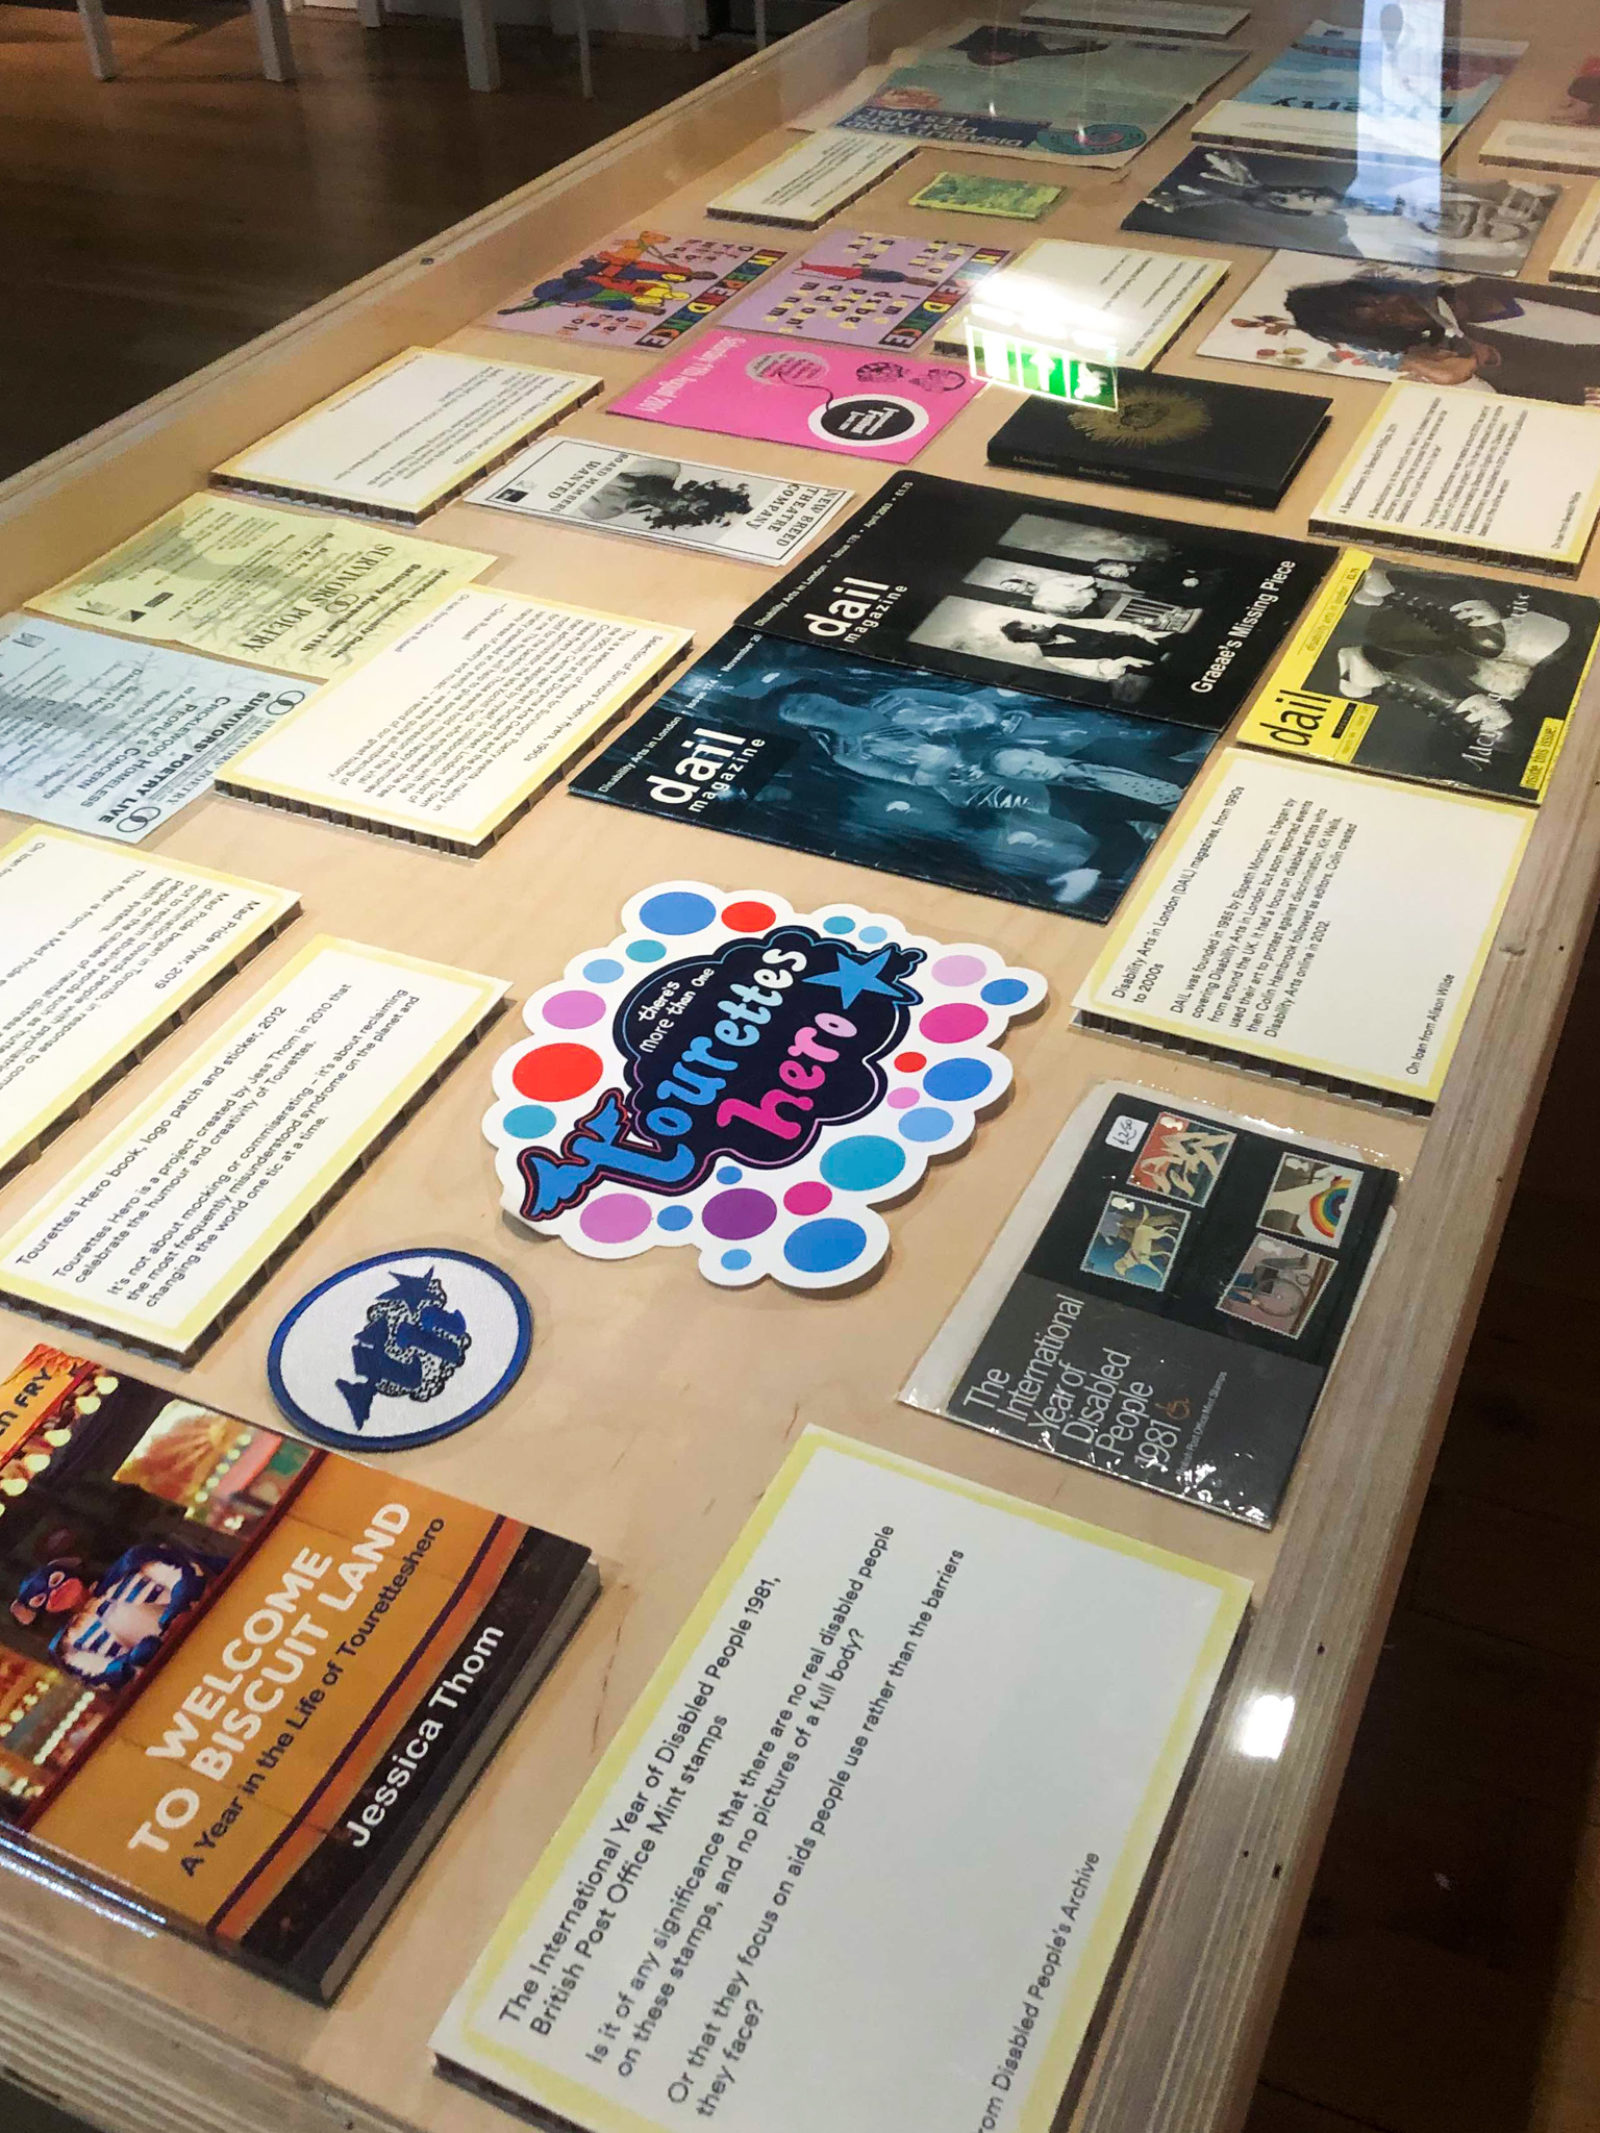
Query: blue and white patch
<point x="400" y="1350"/>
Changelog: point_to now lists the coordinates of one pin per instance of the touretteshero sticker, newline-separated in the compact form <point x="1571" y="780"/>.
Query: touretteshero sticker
<point x="400" y="1350"/>
<point x="750" y="1080"/>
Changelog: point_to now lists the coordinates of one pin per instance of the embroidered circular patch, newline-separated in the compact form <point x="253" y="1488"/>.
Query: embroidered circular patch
<point x="748" y="1080"/>
<point x="400" y="1350"/>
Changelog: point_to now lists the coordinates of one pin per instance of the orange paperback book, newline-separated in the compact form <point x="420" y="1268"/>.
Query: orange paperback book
<point x="243" y="1683"/>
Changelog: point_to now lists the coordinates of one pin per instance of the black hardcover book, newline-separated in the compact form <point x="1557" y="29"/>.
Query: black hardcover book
<point x="1107" y="609"/>
<point x="1165" y="1303"/>
<point x="986" y="789"/>
<point x="1233" y="444"/>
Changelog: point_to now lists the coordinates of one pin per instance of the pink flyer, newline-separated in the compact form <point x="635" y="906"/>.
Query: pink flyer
<point x="833" y="399"/>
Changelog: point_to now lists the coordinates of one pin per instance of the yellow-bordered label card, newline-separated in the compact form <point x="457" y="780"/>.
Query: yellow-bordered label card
<point x="157" y="1232"/>
<point x="101" y="949"/>
<point x="408" y="435"/>
<point x="818" y="1841"/>
<point x="450" y="731"/>
<point x="1307" y="919"/>
<point x="1479" y="475"/>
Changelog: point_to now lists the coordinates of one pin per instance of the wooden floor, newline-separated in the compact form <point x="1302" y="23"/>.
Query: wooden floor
<point x="155" y="222"/>
<point x="1448" y="1978"/>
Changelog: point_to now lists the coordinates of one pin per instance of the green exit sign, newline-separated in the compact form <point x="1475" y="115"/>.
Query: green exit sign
<point x="1030" y="367"/>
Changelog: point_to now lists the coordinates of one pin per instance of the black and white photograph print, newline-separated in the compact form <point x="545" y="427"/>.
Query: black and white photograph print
<point x="992" y="790"/>
<point x="1472" y="677"/>
<point x="756" y="517"/>
<point x="1107" y="609"/>
<point x="1413" y="214"/>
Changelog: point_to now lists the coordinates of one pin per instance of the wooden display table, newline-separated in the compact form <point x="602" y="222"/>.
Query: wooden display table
<point x="656" y="1408"/>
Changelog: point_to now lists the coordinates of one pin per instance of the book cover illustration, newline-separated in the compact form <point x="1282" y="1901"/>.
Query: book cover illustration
<point x="747" y="1080"/>
<point x="1429" y="674"/>
<point x="1165" y="1303"/>
<point x="830" y="399"/>
<point x="1370" y="210"/>
<point x="1334" y="87"/>
<point x="244" y="1681"/>
<point x="645" y="290"/>
<point x="866" y="290"/>
<point x="991" y="790"/>
<point x="1014" y="90"/>
<point x="958" y="192"/>
<point x="1108" y="609"/>
<point x="1477" y="331"/>
<point x="1188" y="436"/>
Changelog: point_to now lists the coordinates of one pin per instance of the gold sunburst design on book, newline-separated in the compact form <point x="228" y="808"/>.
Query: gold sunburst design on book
<point x="1144" y="415"/>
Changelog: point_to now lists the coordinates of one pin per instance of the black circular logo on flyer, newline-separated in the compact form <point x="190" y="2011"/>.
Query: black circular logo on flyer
<point x="863" y="419"/>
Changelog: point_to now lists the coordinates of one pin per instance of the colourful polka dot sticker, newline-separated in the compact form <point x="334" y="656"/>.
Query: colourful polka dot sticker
<point x="752" y="1081"/>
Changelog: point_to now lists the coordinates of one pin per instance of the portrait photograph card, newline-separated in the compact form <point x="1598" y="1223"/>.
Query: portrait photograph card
<point x="1165" y="1302"/>
<point x="1396" y="212"/>
<point x="1480" y="332"/>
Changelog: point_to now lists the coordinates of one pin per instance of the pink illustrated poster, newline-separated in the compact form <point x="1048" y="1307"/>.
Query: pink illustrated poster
<point x="833" y="399"/>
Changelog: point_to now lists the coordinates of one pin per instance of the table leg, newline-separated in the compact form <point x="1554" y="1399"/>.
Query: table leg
<point x="761" y="25"/>
<point x="585" y="63"/>
<point x="272" y="36"/>
<point x="483" y="52"/>
<point x="97" y="36"/>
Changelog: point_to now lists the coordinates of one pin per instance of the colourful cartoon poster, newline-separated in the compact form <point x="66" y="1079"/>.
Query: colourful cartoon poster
<point x="867" y="290"/>
<point x="640" y="291"/>
<point x="759" y="385"/>
<point x="750" y="1080"/>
